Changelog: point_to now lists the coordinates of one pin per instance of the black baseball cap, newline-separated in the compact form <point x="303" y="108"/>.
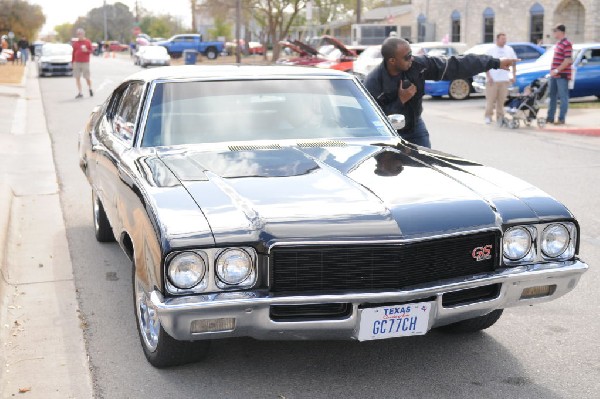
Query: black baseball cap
<point x="559" y="27"/>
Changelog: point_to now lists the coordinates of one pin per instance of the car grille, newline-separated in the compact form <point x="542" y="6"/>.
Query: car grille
<point x="318" y="269"/>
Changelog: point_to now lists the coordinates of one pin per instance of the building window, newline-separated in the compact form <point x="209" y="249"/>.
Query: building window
<point x="488" y="25"/>
<point x="537" y="23"/>
<point x="422" y="30"/>
<point x="455" y="18"/>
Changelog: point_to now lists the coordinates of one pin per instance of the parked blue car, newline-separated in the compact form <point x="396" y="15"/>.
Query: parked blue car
<point x="460" y="89"/>
<point x="586" y="71"/>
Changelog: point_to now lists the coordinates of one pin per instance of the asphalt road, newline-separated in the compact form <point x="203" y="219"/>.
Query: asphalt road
<point x="549" y="350"/>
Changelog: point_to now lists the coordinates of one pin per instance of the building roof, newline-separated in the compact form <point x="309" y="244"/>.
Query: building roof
<point x="380" y="14"/>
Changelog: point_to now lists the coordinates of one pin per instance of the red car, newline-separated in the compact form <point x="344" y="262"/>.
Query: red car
<point x="342" y="57"/>
<point x="306" y="55"/>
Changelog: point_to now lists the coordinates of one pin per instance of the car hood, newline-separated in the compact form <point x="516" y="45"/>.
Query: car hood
<point x="56" y="58"/>
<point x="350" y="193"/>
<point x="339" y="45"/>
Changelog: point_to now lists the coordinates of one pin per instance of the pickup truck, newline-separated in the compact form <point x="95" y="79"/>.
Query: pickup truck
<point x="178" y="43"/>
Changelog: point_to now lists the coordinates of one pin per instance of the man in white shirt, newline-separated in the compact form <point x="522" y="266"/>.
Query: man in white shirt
<point x="498" y="80"/>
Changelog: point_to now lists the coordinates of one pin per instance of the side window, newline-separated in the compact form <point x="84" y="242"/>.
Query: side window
<point x="123" y="122"/>
<point x="592" y="56"/>
<point x="526" y="52"/>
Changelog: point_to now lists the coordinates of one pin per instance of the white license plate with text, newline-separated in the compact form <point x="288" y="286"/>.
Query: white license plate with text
<point x="394" y="321"/>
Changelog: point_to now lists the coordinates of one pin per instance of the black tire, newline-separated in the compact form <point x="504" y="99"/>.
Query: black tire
<point x="102" y="227"/>
<point x="160" y="349"/>
<point x="211" y="53"/>
<point x="459" y="89"/>
<point x="473" y="325"/>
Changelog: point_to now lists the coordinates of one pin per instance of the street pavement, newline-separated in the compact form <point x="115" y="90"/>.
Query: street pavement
<point x="43" y="352"/>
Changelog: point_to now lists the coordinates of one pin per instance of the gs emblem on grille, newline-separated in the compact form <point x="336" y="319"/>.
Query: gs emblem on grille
<point x="482" y="253"/>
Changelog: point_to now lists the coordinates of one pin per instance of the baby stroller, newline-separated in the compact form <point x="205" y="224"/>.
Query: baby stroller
<point x="525" y="107"/>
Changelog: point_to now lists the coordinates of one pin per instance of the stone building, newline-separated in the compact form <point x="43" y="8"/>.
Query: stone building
<point x="478" y="21"/>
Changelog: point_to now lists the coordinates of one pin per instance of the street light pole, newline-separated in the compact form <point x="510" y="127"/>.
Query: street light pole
<point x="238" y="17"/>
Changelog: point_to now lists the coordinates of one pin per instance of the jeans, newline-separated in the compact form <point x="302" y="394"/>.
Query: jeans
<point x="559" y="90"/>
<point x="419" y="135"/>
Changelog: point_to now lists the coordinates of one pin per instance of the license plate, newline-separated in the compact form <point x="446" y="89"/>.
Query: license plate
<point x="394" y="321"/>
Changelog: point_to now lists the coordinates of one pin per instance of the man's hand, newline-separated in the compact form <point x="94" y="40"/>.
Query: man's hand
<point x="406" y="94"/>
<point x="506" y="63"/>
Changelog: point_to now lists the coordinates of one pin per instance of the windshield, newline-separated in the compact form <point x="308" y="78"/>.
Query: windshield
<point x="57" y="49"/>
<point x="222" y="111"/>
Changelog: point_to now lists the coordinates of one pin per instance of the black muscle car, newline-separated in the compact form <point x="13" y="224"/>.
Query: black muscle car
<point x="280" y="203"/>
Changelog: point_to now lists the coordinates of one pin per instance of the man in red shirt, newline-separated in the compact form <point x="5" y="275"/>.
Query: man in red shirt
<point x="560" y="75"/>
<point x="82" y="48"/>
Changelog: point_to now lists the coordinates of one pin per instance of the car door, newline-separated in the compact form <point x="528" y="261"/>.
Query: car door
<point x="116" y="136"/>
<point x="587" y="73"/>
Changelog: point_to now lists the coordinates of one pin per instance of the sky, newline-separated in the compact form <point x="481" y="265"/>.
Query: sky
<point x="66" y="11"/>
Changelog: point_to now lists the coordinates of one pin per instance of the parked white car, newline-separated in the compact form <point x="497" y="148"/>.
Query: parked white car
<point x="152" y="55"/>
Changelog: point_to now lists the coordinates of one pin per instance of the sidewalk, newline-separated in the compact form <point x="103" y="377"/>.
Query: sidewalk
<point x="580" y="121"/>
<point x="42" y="349"/>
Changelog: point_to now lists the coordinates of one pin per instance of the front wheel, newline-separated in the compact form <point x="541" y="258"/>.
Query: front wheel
<point x="102" y="227"/>
<point x="160" y="349"/>
<point x="459" y="89"/>
<point x="474" y="324"/>
<point x="211" y="53"/>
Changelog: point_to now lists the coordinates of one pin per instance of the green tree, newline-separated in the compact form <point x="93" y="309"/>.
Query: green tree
<point x="64" y="32"/>
<point x="159" y="26"/>
<point x="22" y="18"/>
<point x="222" y="28"/>
<point x="119" y="23"/>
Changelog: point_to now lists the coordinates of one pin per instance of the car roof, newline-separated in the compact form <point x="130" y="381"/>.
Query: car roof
<point x="187" y="72"/>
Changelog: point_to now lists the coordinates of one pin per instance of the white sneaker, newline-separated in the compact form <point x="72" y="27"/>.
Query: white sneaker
<point x="488" y="120"/>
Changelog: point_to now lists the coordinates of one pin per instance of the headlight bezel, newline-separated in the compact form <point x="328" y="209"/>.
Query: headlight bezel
<point x="202" y="282"/>
<point x="529" y="252"/>
<point x="210" y="284"/>
<point x="569" y="249"/>
<point x="249" y="278"/>
<point x="536" y="253"/>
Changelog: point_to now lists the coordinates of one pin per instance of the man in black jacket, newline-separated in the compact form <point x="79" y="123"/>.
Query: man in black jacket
<point x="398" y="83"/>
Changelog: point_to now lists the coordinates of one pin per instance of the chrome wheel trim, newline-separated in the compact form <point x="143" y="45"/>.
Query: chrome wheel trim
<point x="148" y="322"/>
<point x="96" y="205"/>
<point x="459" y="89"/>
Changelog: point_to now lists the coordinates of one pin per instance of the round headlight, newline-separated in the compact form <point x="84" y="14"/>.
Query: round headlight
<point x="234" y="266"/>
<point x="517" y="243"/>
<point x="186" y="270"/>
<point x="555" y="240"/>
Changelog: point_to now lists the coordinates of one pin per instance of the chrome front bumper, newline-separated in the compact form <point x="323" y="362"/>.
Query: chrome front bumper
<point x="251" y="310"/>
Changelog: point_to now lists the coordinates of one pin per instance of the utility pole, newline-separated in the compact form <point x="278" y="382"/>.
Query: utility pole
<point x="105" y="28"/>
<point x="358" y="10"/>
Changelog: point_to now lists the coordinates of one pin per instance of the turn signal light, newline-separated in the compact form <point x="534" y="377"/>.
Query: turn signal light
<point x="538" y="291"/>
<point x="213" y="325"/>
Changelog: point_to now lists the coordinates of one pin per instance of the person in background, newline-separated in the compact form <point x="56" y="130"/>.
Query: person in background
<point x="498" y="80"/>
<point x="560" y="74"/>
<point x="23" y="45"/>
<point x="82" y="48"/>
<point x="398" y="83"/>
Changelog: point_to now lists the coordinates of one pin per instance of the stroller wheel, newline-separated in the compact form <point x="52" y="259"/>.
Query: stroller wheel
<point x="513" y="123"/>
<point x="541" y="122"/>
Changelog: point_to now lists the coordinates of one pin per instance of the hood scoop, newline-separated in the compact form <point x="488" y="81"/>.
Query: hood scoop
<point x="254" y="147"/>
<point x="328" y="143"/>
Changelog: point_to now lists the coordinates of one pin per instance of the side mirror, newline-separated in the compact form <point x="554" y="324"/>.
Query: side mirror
<point x="583" y="61"/>
<point x="397" y="121"/>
